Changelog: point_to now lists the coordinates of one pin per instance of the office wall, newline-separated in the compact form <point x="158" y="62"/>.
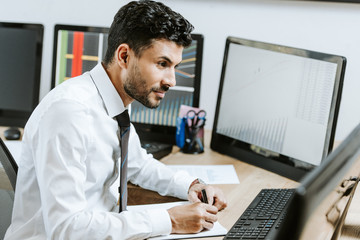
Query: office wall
<point x="320" y="26"/>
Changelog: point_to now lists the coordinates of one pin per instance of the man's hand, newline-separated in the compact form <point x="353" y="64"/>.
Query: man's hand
<point x="214" y="195"/>
<point x="192" y="218"/>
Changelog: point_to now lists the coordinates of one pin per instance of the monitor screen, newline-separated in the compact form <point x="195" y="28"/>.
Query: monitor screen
<point x="78" y="49"/>
<point x="277" y="106"/>
<point x="160" y="124"/>
<point x="20" y="68"/>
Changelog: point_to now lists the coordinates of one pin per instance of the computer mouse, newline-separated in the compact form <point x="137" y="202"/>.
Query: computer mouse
<point x="12" y="133"/>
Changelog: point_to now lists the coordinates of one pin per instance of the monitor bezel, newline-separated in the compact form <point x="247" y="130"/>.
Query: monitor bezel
<point x="16" y="118"/>
<point x="283" y="165"/>
<point x="166" y="134"/>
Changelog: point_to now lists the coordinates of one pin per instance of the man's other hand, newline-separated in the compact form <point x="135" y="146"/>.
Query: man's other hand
<point x="192" y="218"/>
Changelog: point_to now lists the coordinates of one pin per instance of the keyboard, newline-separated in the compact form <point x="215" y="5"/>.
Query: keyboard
<point x="263" y="217"/>
<point x="157" y="149"/>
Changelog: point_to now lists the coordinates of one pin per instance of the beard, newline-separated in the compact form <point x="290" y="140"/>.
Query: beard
<point x="135" y="86"/>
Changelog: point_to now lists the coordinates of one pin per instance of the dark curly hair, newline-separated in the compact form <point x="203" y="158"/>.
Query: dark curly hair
<point x="139" y="23"/>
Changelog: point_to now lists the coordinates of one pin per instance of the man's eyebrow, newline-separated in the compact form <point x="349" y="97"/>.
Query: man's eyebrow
<point x="169" y="60"/>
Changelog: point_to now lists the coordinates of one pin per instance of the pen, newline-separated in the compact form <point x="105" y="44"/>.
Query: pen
<point x="203" y="196"/>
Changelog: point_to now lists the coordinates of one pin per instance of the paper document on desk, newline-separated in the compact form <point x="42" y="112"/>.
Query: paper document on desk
<point x="211" y="174"/>
<point x="217" y="230"/>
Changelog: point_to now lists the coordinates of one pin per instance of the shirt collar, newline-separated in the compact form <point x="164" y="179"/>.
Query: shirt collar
<point x="112" y="100"/>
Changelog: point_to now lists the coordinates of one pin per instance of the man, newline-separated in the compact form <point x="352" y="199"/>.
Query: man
<point x="69" y="166"/>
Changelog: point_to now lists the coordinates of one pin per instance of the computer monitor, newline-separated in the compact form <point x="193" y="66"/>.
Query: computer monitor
<point x="77" y="49"/>
<point x="20" y="68"/>
<point x="160" y="124"/>
<point x="277" y="106"/>
<point x="324" y="195"/>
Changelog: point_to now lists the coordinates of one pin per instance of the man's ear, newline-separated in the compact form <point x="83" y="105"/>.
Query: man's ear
<point x="122" y="55"/>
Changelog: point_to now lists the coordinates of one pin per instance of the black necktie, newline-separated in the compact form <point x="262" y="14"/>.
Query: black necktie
<point x="124" y="124"/>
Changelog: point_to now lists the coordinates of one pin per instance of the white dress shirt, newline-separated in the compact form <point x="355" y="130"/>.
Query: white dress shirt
<point x="68" y="178"/>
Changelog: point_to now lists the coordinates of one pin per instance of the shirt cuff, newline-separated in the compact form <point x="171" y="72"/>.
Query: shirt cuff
<point x="183" y="180"/>
<point x="161" y="222"/>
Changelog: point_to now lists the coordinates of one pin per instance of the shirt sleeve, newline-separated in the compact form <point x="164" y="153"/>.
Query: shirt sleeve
<point x="149" y="173"/>
<point x="60" y="151"/>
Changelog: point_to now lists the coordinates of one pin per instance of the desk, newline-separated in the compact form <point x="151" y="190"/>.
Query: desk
<point x="252" y="180"/>
<point x="239" y="196"/>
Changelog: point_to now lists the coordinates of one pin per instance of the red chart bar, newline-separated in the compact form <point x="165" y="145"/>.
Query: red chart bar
<point x="78" y="45"/>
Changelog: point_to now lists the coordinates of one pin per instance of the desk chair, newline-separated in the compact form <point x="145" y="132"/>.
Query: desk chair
<point x="8" y="172"/>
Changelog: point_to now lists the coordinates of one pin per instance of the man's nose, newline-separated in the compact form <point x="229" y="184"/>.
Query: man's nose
<point x="170" y="79"/>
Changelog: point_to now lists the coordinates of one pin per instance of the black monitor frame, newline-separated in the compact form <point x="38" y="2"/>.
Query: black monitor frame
<point x="15" y="117"/>
<point x="166" y="134"/>
<point x="283" y="165"/>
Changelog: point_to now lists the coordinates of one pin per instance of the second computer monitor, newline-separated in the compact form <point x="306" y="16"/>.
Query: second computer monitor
<point x="277" y="106"/>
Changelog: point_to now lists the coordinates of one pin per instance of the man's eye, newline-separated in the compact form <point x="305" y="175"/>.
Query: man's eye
<point x="163" y="64"/>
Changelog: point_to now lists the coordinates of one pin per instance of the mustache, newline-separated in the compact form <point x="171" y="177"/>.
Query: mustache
<point x="163" y="88"/>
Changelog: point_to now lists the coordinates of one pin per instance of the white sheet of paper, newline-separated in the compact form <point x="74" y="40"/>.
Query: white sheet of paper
<point x="211" y="174"/>
<point x="217" y="230"/>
